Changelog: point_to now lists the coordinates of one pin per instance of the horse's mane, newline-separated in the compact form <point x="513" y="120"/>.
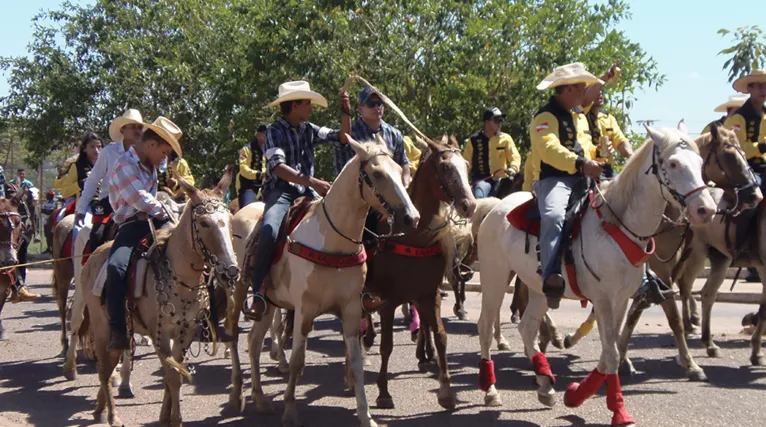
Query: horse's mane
<point x="626" y="182"/>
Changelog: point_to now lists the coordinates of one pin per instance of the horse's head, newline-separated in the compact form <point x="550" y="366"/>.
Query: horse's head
<point x="10" y="229"/>
<point x="725" y="164"/>
<point x="448" y="171"/>
<point x="677" y="164"/>
<point x="380" y="182"/>
<point x="211" y="228"/>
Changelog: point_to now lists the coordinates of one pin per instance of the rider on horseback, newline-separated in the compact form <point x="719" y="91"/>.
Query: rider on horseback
<point x="173" y="165"/>
<point x="289" y="151"/>
<point x="132" y="191"/>
<point x="491" y="155"/>
<point x="251" y="169"/>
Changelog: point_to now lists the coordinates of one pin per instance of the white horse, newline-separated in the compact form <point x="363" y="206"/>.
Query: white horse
<point x="666" y="169"/>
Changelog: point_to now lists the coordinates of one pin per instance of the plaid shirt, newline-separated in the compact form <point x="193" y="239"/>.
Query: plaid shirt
<point x="361" y="132"/>
<point x="294" y="148"/>
<point x="132" y="188"/>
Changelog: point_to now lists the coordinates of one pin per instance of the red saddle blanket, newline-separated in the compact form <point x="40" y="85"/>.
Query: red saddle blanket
<point x="69" y="209"/>
<point x="519" y="217"/>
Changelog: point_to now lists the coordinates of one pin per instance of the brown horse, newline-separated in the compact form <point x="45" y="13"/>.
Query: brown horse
<point x="10" y="239"/>
<point x="175" y="299"/>
<point x="440" y="183"/>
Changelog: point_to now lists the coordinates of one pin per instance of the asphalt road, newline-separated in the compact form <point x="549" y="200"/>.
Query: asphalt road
<point x="34" y="392"/>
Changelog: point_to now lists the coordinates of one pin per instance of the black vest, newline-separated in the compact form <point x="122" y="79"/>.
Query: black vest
<point x="567" y="137"/>
<point x="752" y="130"/>
<point x="162" y="177"/>
<point x="83" y="167"/>
<point x="256" y="163"/>
<point x="480" y="157"/>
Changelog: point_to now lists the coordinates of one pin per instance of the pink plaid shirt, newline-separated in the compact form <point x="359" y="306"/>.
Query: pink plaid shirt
<point x="132" y="188"/>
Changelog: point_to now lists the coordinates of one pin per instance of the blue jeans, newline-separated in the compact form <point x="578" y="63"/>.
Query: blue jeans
<point x="552" y="199"/>
<point x="481" y="189"/>
<point x="247" y="196"/>
<point x="278" y="201"/>
<point x="607" y="172"/>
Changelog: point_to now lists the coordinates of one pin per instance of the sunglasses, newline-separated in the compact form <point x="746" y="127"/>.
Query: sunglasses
<point x="373" y="103"/>
<point x="497" y="120"/>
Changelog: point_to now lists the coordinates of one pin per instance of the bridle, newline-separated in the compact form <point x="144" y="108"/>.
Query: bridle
<point x="209" y="207"/>
<point x="445" y="189"/>
<point x="735" y="189"/>
<point x="11" y="227"/>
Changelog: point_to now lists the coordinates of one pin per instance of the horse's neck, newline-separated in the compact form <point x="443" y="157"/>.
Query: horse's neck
<point x="425" y="201"/>
<point x="180" y="251"/>
<point x="640" y="212"/>
<point x="345" y="209"/>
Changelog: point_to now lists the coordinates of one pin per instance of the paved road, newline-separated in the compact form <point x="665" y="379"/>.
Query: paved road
<point x="33" y="391"/>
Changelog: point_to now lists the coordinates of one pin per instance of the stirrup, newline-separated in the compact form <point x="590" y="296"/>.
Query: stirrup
<point x="371" y="298"/>
<point x="249" y="312"/>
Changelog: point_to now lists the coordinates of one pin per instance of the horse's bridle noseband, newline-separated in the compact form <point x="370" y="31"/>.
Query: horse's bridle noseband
<point x="444" y="188"/>
<point x="11" y="226"/>
<point x="735" y="189"/>
<point x="657" y="165"/>
<point x="209" y="207"/>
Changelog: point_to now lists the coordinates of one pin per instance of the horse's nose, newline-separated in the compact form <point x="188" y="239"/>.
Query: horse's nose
<point x="411" y="220"/>
<point x="467" y="207"/>
<point x="232" y="271"/>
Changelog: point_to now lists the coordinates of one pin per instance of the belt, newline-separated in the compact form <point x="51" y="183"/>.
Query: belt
<point x="135" y="218"/>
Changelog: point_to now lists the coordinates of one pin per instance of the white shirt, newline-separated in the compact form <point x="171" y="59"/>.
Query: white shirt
<point x="100" y="172"/>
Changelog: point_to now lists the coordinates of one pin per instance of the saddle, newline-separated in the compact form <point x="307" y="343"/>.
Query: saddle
<point x="745" y="248"/>
<point x="143" y="255"/>
<point x="99" y="234"/>
<point x="69" y="209"/>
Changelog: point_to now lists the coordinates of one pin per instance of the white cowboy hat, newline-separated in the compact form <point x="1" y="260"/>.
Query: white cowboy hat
<point x="735" y="101"/>
<point x="168" y="131"/>
<point x="293" y="91"/>
<point x="569" y="74"/>
<point x="129" y="117"/>
<point x="755" y="76"/>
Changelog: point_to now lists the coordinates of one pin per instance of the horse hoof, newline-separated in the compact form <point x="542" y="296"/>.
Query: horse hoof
<point x="237" y="403"/>
<point x="515" y="318"/>
<point x="714" y="352"/>
<point x="125" y="393"/>
<point x="70" y="375"/>
<point x="558" y="342"/>
<point x="758" y="360"/>
<point x="284" y="368"/>
<point x="493" y="399"/>
<point x="116" y="422"/>
<point x="366" y="362"/>
<point x="99" y="417"/>
<point x="385" y="403"/>
<point x="697" y="376"/>
<point x="462" y="315"/>
<point x="503" y="346"/>
<point x="263" y="406"/>
<point x="227" y="354"/>
<point x="692" y="331"/>
<point x="548" y="400"/>
<point x="423" y="366"/>
<point x="568" y="341"/>
<point x="627" y="370"/>
<point x="2" y="335"/>
<point x="273" y="353"/>
<point x="447" y="402"/>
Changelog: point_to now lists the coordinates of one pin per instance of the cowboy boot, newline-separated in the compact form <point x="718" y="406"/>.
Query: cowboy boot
<point x="553" y="288"/>
<point x="653" y="291"/>
<point x="118" y="341"/>
<point x="371" y="303"/>
<point x="21" y="294"/>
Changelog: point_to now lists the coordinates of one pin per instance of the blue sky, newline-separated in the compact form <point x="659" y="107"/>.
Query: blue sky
<point x="680" y="34"/>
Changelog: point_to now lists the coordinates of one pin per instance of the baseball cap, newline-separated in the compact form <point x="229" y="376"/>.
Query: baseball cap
<point x="491" y="113"/>
<point x="365" y="94"/>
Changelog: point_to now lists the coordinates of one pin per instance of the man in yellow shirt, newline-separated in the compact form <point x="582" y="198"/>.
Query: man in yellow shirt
<point x="563" y="164"/>
<point x="749" y="125"/>
<point x="605" y="125"/>
<point x="491" y="155"/>
<point x="165" y="172"/>
<point x="251" y="169"/>
<point x="729" y="107"/>
<point x="412" y="152"/>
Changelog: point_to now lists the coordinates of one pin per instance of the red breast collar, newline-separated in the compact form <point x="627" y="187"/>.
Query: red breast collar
<point x="328" y="260"/>
<point x="410" y="251"/>
<point x="635" y="253"/>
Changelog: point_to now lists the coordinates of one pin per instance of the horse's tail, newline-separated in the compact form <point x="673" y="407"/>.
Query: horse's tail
<point x="85" y="337"/>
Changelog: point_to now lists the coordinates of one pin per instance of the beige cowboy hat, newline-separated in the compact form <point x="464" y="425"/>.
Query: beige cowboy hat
<point x="168" y="131"/>
<point x="755" y="76"/>
<point x="569" y="74"/>
<point x="735" y="101"/>
<point x="293" y="91"/>
<point x="130" y="116"/>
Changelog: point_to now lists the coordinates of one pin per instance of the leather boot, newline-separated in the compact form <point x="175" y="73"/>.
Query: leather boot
<point x="119" y="341"/>
<point x="553" y="288"/>
<point x="21" y="294"/>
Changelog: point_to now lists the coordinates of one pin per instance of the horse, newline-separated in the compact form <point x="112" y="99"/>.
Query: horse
<point x="681" y="250"/>
<point x="666" y="169"/>
<point x="66" y="271"/>
<point x="331" y="228"/>
<point x="169" y="310"/>
<point x="11" y="234"/>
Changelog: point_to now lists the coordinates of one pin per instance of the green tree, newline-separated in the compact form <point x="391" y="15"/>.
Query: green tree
<point x="748" y="52"/>
<point x="210" y="65"/>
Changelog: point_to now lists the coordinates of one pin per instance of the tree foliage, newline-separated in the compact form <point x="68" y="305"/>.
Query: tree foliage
<point x="748" y="52"/>
<point x="210" y="65"/>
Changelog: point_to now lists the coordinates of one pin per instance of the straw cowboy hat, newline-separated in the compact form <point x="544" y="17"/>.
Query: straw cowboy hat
<point x="293" y="91"/>
<point x="735" y="101"/>
<point x="569" y="74"/>
<point x="168" y="131"/>
<point x="129" y="117"/>
<point x="755" y="76"/>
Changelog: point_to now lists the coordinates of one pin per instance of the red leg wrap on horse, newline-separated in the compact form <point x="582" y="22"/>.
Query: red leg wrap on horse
<point x="577" y="393"/>
<point x="541" y="366"/>
<point x="615" y="402"/>
<point x="486" y="374"/>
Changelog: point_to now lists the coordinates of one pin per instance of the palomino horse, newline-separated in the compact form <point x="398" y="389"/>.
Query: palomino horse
<point x="10" y="239"/>
<point x="682" y="250"/>
<point x="331" y="227"/>
<point x="412" y="267"/>
<point x="66" y="271"/>
<point x="170" y="309"/>
<point x="666" y="169"/>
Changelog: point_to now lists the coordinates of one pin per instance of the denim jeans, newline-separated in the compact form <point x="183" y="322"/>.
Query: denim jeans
<point x="552" y="198"/>
<point x="247" y="196"/>
<point x="481" y="189"/>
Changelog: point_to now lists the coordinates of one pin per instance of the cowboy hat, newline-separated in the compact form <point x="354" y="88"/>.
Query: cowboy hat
<point x="735" y="101"/>
<point x="293" y="91"/>
<point x="755" y="76"/>
<point x="569" y="74"/>
<point x="130" y="116"/>
<point x="168" y="131"/>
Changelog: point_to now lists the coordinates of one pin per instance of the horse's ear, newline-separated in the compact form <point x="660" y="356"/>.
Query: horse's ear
<point x="433" y="146"/>
<point x="356" y="146"/>
<point x="453" y="141"/>
<point x="656" y="135"/>
<point x="225" y="182"/>
<point x="420" y="143"/>
<point x="682" y="127"/>
<point x="189" y="189"/>
<point x="715" y="132"/>
<point x="19" y="196"/>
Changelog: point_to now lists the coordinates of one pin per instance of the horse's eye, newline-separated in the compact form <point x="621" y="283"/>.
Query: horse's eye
<point x="673" y="165"/>
<point x="377" y="175"/>
<point x="205" y="223"/>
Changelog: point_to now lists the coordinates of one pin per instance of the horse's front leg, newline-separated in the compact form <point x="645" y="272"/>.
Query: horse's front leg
<point x="529" y="327"/>
<point x="303" y="322"/>
<point x="263" y="403"/>
<point x="757" y="358"/>
<point x="350" y="319"/>
<point x="634" y="314"/>
<point x="384" y="400"/>
<point x="430" y="310"/>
